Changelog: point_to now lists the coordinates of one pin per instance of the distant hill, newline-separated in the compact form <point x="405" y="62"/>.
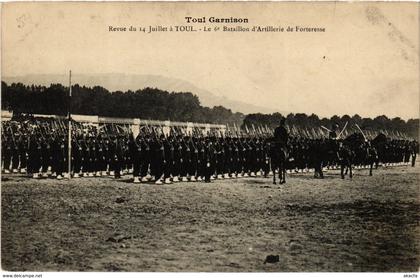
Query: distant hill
<point x="124" y="82"/>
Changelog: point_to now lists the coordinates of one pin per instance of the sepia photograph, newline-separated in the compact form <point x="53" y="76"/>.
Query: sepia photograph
<point x="228" y="137"/>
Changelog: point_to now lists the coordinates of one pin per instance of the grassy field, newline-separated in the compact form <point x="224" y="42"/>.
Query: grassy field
<point x="100" y="224"/>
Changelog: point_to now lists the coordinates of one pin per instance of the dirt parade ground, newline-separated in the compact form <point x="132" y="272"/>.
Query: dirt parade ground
<point x="101" y="224"/>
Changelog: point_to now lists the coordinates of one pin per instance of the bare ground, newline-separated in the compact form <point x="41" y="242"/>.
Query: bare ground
<point x="99" y="224"/>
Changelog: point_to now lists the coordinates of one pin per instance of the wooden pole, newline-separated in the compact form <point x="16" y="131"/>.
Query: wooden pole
<point x="69" y="131"/>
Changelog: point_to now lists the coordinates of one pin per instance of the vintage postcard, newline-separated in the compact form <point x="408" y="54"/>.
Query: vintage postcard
<point x="210" y="137"/>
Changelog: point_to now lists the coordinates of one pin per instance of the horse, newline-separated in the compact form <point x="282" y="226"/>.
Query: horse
<point x="379" y="143"/>
<point x="330" y="152"/>
<point x="366" y="155"/>
<point x="357" y="149"/>
<point x="349" y="151"/>
<point x="278" y="157"/>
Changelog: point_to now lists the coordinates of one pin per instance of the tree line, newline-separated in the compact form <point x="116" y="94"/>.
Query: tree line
<point x="156" y="104"/>
<point x="147" y="103"/>
<point x="379" y="123"/>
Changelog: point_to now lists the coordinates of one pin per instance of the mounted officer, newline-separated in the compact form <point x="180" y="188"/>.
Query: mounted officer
<point x="333" y="132"/>
<point x="281" y="136"/>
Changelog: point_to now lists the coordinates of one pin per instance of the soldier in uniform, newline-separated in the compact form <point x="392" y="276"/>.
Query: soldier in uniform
<point x="158" y="158"/>
<point x="56" y="169"/>
<point x="4" y="142"/>
<point x="15" y="153"/>
<point x="127" y="159"/>
<point x="208" y="159"/>
<point x="414" y="149"/>
<point x="46" y="155"/>
<point x="145" y="143"/>
<point x="260" y="156"/>
<point x="318" y="152"/>
<point x="7" y="153"/>
<point x="201" y="162"/>
<point x="281" y="135"/>
<point x="34" y="155"/>
<point x="22" y="147"/>
<point x="247" y="157"/>
<point x="185" y="160"/>
<point x="108" y="155"/>
<point x="135" y="149"/>
<point x="76" y="156"/>
<point x="281" y="138"/>
<point x="63" y="158"/>
<point x="93" y="162"/>
<point x="236" y="158"/>
<point x="228" y="161"/>
<point x="177" y="157"/>
<point x="220" y="158"/>
<point x="85" y="156"/>
<point x="118" y="155"/>
<point x="242" y="167"/>
<point x="99" y="156"/>
<point x="168" y="162"/>
<point x="193" y="170"/>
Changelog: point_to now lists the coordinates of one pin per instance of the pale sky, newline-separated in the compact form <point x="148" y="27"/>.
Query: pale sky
<point x="371" y="64"/>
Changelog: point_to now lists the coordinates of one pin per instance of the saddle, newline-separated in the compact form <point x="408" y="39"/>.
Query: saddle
<point x="281" y="147"/>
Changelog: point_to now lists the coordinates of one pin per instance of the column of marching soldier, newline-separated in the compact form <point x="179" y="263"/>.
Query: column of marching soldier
<point x="39" y="148"/>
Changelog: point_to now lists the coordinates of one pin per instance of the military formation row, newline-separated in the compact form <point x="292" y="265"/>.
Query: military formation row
<point x="152" y="156"/>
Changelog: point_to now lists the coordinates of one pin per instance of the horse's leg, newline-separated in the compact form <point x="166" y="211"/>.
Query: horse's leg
<point x="370" y="168"/>
<point x="351" y="172"/>
<point x="284" y="174"/>
<point x="342" y="169"/>
<point x="321" y="174"/>
<point x="274" y="174"/>
<point x="280" y="172"/>
<point x="281" y="166"/>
